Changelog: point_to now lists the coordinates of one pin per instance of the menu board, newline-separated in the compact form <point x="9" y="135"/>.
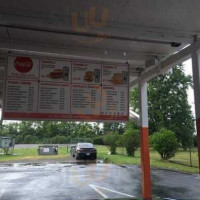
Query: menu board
<point x="59" y="89"/>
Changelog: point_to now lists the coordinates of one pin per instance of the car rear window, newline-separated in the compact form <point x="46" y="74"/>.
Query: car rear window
<point x="85" y="145"/>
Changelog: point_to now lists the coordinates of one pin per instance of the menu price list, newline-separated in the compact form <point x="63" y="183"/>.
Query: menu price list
<point x="85" y="99"/>
<point x="54" y="98"/>
<point x="114" y="101"/>
<point x="21" y="96"/>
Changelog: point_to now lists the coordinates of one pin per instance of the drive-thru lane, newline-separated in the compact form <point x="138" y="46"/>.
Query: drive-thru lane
<point x="91" y="181"/>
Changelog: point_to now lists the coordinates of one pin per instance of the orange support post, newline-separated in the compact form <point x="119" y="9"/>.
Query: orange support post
<point x="145" y="164"/>
<point x="144" y="144"/>
<point x="198" y="139"/>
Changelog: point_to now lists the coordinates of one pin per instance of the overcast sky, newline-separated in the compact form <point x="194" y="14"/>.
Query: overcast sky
<point x="188" y="70"/>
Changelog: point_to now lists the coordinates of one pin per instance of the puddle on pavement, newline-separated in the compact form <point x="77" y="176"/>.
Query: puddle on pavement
<point x="82" y="163"/>
<point x="6" y="165"/>
<point x="123" y="166"/>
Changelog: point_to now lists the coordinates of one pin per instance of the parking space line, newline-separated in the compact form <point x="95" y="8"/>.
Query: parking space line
<point x="128" y="195"/>
<point x="2" y="192"/>
<point x="99" y="192"/>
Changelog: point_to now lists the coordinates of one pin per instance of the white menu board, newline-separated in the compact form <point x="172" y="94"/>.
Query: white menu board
<point x="85" y="98"/>
<point x="59" y="89"/>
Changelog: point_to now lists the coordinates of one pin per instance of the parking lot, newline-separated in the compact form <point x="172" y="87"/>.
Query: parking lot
<point x="89" y="181"/>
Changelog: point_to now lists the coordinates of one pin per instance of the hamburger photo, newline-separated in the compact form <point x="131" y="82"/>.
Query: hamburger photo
<point x="117" y="78"/>
<point x="89" y="76"/>
<point x="56" y="74"/>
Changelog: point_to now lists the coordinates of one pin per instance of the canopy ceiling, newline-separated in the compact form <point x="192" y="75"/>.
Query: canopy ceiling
<point x="49" y="24"/>
<point x="133" y="30"/>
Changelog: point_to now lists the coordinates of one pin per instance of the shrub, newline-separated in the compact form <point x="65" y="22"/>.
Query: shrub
<point x="46" y="141"/>
<point x="111" y="141"/>
<point x="98" y="140"/>
<point x="165" y="142"/>
<point x="59" y="140"/>
<point x="19" y="139"/>
<point x="131" y="140"/>
<point x="120" y="141"/>
<point x="30" y="139"/>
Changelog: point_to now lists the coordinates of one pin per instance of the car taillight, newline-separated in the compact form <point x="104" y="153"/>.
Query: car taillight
<point x="80" y="150"/>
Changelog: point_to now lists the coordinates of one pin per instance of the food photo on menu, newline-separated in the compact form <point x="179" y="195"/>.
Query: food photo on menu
<point x="92" y="76"/>
<point x="119" y="78"/>
<point x="60" y="74"/>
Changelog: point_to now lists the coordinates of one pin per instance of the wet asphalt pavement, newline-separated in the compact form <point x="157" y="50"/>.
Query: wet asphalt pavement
<point x="65" y="181"/>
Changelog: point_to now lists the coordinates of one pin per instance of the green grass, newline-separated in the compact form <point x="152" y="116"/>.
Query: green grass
<point x="180" y="162"/>
<point x="32" y="154"/>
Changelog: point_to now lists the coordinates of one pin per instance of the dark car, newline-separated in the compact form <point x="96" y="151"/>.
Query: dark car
<point x="85" y="150"/>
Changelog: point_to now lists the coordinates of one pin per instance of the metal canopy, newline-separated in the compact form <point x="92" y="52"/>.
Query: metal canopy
<point x="151" y="35"/>
<point x="142" y="29"/>
<point x="141" y="32"/>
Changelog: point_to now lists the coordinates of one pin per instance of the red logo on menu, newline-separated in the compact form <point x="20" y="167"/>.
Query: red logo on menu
<point x="23" y="64"/>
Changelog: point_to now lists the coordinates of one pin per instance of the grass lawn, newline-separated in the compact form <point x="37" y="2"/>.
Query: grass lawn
<point x="32" y="154"/>
<point x="180" y="162"/>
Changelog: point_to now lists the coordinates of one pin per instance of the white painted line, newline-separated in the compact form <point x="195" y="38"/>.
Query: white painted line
<point x="98" y="191"/>
<point x="128" y="195"/>
<point x="2" y="192"/>
<point x="79" y="176"/>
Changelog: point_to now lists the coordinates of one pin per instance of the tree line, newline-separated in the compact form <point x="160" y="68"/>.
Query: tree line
<point x="31" y="132"/>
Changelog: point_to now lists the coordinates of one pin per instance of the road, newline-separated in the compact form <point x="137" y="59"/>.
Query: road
<point x="63" y="181"/>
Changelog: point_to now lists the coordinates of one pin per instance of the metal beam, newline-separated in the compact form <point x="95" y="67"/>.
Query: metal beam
<point x="134" y="116"/>
<point x="151" y="63"/>
<point x="168" y="63"/>
<point x="90" y="35"/>
<point x="83" y="51"/>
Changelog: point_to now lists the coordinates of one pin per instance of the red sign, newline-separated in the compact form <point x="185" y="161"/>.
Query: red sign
<point x="23" y="64"/>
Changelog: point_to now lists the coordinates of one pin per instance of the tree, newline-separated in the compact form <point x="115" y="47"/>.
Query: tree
<point x="165" y="142"/>
<point x="84" y="130"/>
<point x="131" y="139"/>
<point x="11" y="129"/>
<point x="26" y="128"/>
<point x="168" y="105"/>
<point x="131" y="125"/>
<point x="113" y="127"/>
<point x="97" y="128"/>
<point x="111" y="140"/>
<point x="98" y="140"/>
